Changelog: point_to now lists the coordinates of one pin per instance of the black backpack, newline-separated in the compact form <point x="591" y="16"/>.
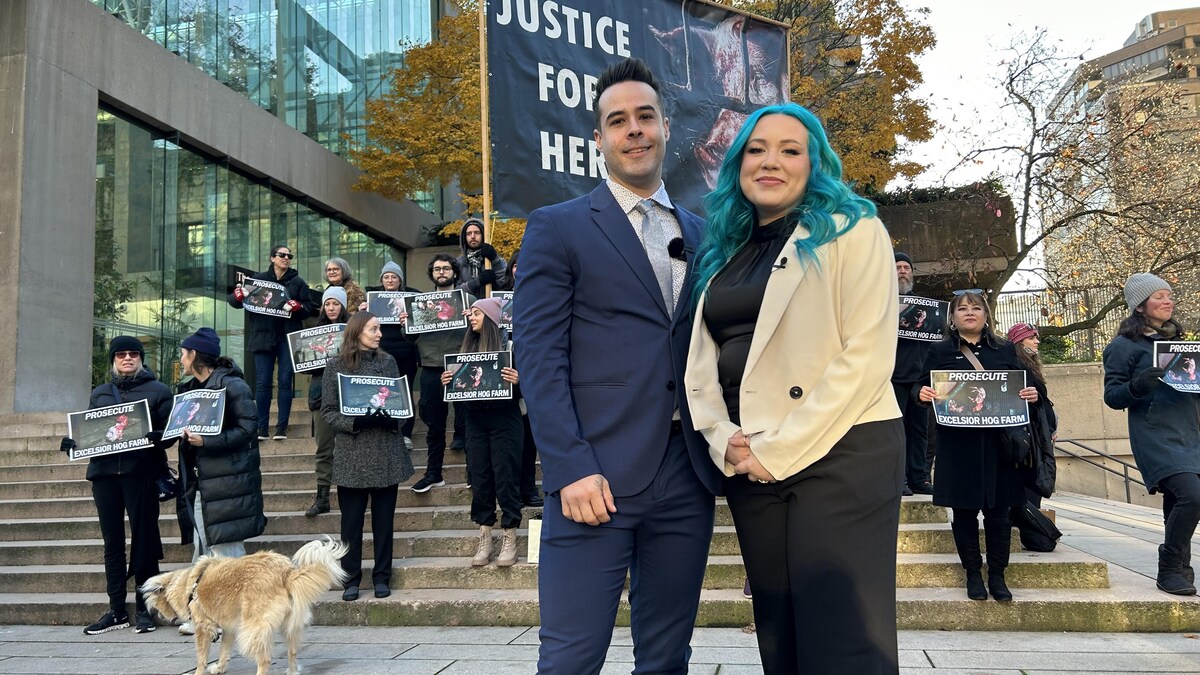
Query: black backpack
<point x="1038" y="533"/>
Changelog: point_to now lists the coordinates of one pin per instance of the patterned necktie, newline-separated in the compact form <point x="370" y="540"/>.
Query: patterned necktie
<point x="654" y="236"/>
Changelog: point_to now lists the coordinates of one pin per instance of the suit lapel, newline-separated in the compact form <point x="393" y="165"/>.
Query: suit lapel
<point x="613" y="222"/>
<point x="780" y="289"/>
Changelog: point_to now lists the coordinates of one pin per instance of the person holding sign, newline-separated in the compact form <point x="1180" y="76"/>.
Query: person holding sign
<point x="910" y="355"/>
<point x="125" y="484"/>
<point x="333" y="310"/>
<point x="369" y="457"/>
<point x="494" y="436"/>
<point x="971" y="476"/>
<point x="266" y="337"/>
<point x="602" y="310"/>
<point x="1164" y="424"/>
<point x="220" y="504"/>
<point x="400" y="345"/>
<point x="788" y="379"/>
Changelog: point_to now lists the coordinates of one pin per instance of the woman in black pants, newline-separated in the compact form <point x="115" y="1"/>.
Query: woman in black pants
<point x="972" y="474"/>
<point x="125" y="483"/>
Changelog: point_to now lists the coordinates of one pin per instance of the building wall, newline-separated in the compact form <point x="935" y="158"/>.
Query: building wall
<point x="61" y="64"/>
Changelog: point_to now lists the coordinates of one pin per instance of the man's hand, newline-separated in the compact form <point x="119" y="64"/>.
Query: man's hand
<point x="489" y="251"/>
<point x="588" y="500"/>
<point x="239" y="294"/>
<point x="737" y="450"/>
<point x="67" y="444"/>
<point x="292" y="305"/>
<point x="487" y="277"/>
<point x="446" y="377"/>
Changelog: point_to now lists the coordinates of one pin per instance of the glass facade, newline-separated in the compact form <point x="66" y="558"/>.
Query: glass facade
<point x="311" y="63"/>
<point x="173" y="227"/>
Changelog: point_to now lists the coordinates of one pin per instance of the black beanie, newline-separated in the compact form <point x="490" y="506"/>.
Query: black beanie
<point x="901" y="256"/>
<point x="125" y="343"/>
<point x="204" y="341"/>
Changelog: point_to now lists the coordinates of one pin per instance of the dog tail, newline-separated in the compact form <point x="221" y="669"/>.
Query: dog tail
<point x="317" y="569"/>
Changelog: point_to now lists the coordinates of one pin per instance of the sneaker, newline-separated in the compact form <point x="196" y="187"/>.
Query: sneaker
<point x="906" y="491"/>
<point x="187" y="628"/>
<point x="145" y="624"/>
<point x="746" y="590"/>
<point x="426" y="482"/>
<point x="263" y="435"/>
<point x="280" y="435"/>
<point x="408" y="443"/>
<point x="110" y="621"/>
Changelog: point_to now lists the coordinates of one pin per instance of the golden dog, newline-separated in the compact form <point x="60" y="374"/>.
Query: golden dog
<point x="249" y="598"/>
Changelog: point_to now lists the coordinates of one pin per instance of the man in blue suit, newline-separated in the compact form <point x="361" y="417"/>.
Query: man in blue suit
<point x="604" y="309"/>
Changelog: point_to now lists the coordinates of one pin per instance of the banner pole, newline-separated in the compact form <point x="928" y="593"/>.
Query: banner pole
<point x="485" y="133"/>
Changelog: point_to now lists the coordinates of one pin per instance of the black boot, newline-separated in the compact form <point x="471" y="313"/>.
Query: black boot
<point x="320" y="503"/>
<point x="966" y="540"/>
<point x="1188" y="572"/>
<point x="998" y="538"/>
<point x="1170" y="574"/>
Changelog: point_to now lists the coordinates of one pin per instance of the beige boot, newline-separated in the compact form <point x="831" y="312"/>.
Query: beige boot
<point x="508" y="548"/>
<point x="483" y="550"/>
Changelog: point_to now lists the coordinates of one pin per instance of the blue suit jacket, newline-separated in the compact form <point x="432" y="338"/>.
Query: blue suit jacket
<point x="601" y="362"/>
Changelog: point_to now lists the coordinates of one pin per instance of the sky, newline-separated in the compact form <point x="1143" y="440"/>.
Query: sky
<point x="958" y="69"/>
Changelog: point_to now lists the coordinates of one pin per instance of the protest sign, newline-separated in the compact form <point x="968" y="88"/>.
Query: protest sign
<point x="361" y="394"/>
<point x="476" y="376"/>
<point x="387" y="306"/>
<point x="200" y="411"/>
<point x="109" y="430"/>
<point x="265" y="297"/>
<point x="506" y="308"/>
<point x="979" y="398"/>
<point x="438" y="310"/>
<point x="716" y="66"/>
<point x="312" y="347"/>
<point x="922" y="319"/>
<point x="1179" y="360"/>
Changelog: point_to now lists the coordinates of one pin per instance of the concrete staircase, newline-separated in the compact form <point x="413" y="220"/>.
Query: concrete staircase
<point x="51" y="555"/>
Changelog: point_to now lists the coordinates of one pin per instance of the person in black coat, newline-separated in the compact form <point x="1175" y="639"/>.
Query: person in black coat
<point x="220" y="502"/>
<point x="125" y="483"/>
<point x="972" y="477"/>
<point x="266" y="337"/>
<point x="401" y="346"/>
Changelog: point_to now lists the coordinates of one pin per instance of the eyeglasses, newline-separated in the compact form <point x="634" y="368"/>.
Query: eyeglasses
<point x="287" y="256"/>
<point x="126" y="355"/>
<point x="443" y="269"/>
<point x="331" y="270"/>
<point x="973" y="291"/>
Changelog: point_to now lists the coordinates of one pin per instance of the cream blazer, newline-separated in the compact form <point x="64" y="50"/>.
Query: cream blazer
<point x="821" y="357"/>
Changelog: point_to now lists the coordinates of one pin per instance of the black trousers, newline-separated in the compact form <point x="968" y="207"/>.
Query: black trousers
<point x="136" y="495"/>
<point x="1181" y="512"/>
<point x="494" y="438"/>
<point x="916" y="435"/>
<point x="529" y="486"/>
<point x="353" y="502"/>
<point x="820" y="553"/>
<point x="434" y="411"/>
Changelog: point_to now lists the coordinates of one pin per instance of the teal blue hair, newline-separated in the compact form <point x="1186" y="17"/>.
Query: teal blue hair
<point x="731" y="217"/>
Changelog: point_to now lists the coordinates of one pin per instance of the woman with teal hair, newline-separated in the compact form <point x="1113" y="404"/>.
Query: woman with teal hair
<point x="788" y="378"/>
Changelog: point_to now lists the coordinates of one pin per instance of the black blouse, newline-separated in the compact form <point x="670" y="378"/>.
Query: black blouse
<point x="734" y="298"/>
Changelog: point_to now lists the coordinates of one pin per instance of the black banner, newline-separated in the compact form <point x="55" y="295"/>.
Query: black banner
<point x="200" y="411"/>
<point x="476" y="376"/>
<point x="716" y="67"/>
<point x="979" y="398"/>
<point x="1181" y="360"/>
<point x="922" y="319"/>
<point x="109" y="430"/>
<point x="361" y="394"/>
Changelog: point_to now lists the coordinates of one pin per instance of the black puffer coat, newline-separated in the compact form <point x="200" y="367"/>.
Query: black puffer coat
<point x="370" y="458"/>
<point x="147" y="462"/>
<point x="225" y="469"/>
<point x="264" y="332"/>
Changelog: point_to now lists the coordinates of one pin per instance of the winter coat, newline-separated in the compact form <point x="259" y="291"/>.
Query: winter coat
<point x="910" y="355"/>
<point x="970" y="473"/>
<point x="370" y="458"/>
<point x="147" y="462"/>
<point x="400" y="345"/>
<point x="263" y="332"/>
<point x="1164" y="425"/>
<point x="468" y="276"/>
<point x="225" y="469"/>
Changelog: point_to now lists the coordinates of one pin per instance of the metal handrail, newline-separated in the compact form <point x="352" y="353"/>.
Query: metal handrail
<point x="1123" y="473"/>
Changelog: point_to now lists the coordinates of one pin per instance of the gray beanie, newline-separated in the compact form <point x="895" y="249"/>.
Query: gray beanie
<point x="336" y="292"/>
<point x="1141" y="286"/>
<point x="392" y="267"/>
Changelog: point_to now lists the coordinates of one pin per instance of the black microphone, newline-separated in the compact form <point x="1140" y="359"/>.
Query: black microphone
<point x="782" y="264"/>
<point x="675" y="249"/>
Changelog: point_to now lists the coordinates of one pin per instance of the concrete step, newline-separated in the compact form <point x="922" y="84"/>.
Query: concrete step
<point x="1127" y="606"/>
<point x="723" y="572"/>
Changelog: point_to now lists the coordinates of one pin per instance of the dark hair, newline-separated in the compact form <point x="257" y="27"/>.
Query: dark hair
<point x="989" y="327"/>
<point x="350" y="347"/>
<point x="1134" y="326"/>
<point x="276" y="247"/>
<point x="1031" y="363"/>
<point x="629" y="70"/>
<point x="489" y="338"/>
<point x="342" y="316"/>
<point x="444" y="257"/>
<point x="210" y="362"/>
